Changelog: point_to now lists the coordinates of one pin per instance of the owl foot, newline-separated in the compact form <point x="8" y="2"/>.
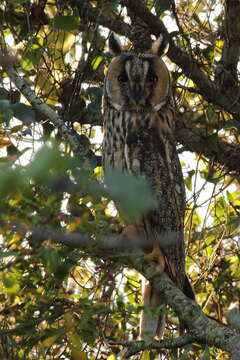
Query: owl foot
<point x="157" y="256"/>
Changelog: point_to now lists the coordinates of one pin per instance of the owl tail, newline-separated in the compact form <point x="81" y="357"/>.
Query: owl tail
<point x="152" y="322"/>
<point x="153" y="316"/>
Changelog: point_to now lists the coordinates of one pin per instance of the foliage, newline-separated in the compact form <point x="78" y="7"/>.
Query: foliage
<point x="63" y="303"/>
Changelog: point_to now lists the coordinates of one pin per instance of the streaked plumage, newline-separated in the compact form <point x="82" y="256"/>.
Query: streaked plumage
<point x="139" y="139"/>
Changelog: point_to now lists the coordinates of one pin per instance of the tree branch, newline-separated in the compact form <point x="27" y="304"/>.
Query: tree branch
<point x="201" y="329"/>
<point x="204" y="330"/>
<point x="32" y="324"/>
<point x="191" y="137"/>
<point x="43" y="108"/>
<point x="176" y="54"/>
<point x="92" y="14"/>
<point x="184" y="60"/>
<point x="135" y="347"/>
<point x="194" y="139"/>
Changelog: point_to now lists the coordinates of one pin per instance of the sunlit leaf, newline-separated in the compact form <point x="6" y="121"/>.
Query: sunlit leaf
<point x="111" y="357"/>
<point x="5" y="143"/>
<point x="96" y="62"/>
<point x="11" y="283"/>
<point x="16" y="129"/>
<point x="51" y="336"/>
<point x="146" y="355"/>
<point x="188" y="179"/>
<point x="33" y="54"/>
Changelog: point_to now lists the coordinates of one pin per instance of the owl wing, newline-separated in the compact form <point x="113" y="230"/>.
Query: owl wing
<point x="154" y="157"/>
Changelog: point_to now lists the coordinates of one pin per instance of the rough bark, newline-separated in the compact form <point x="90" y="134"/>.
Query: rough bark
<point x="226" y="71"/>
<point x="202" y="329"/>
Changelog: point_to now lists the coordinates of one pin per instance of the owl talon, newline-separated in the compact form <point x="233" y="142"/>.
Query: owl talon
<point x="151" y="256"/>
<point x="157" y="256"/>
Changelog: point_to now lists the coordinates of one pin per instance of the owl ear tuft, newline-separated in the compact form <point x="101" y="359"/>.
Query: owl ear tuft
<point x="160" y="46"/>
<point x="114" y="44"/>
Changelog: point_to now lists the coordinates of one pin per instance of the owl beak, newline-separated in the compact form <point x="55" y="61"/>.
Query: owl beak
<point x="137" y="94"/>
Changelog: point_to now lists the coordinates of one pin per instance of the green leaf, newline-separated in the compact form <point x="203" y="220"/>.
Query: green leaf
<point x="233" y="196"/>
<point x="6" y="112"/>
<point x="188" y="179"/>
<point x="4" y="94"/>
<point x="78" y="355"/>
<point x="52" y="259"/>
<point x="11" y="283"/>
<point x="33" y="54"/>
<point x="214" y="176"/>
<point x="51" y="336"/>
<point x="7" y="253"/>
<point x="11" y="181"/>
<point x="16" y="129"/>
<point x="96" y="62"/>
<point x="133" y="195"/>
<point x="208" y="53"/>
<point x="45" y="159"/>
<point x="162" y="6"/>
<point x="213" y="142"/>
<point x="67" y="23"/>
<point x="233" y="223"/>
<point x="23" y="112"/>
<point x="145" y="355"/>
<point x="210" y="113"/>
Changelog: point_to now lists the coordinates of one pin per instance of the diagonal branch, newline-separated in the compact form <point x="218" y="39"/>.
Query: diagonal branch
<point x="135" y="347"/>
<point x="190" y="136"/>
<point x="43" y="108"/>
<point x="29" y="326"/>
<point x="92" y="14"/>
<point x="176" y="54"/>
<point x="185" y="61"/>
<point x="203" y="330"/>
<point x="195" y="139"/>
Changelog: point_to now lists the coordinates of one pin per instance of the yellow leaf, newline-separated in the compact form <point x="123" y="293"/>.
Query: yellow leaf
<point x="68" y="321"/>
<point x="111" y="357"/>
<point x="78" y="355"/>
<point x="73" y="226"/>
<point x="75" y="341"/>
<point x="4" y="143"/>
<point x="49" y="341"/>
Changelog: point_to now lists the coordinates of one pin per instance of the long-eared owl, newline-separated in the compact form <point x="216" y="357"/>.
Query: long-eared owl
<point x="139" y="139"/>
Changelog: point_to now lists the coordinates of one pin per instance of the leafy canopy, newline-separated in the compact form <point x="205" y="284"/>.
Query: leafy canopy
<point x="59" y="302"/>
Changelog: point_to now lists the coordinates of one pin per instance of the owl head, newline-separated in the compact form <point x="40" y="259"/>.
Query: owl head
<point x="137" y="82"/>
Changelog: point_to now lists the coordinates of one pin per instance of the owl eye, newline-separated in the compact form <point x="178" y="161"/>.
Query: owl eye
<point x="122" y="78"/>
<point x="152" y="78"/>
